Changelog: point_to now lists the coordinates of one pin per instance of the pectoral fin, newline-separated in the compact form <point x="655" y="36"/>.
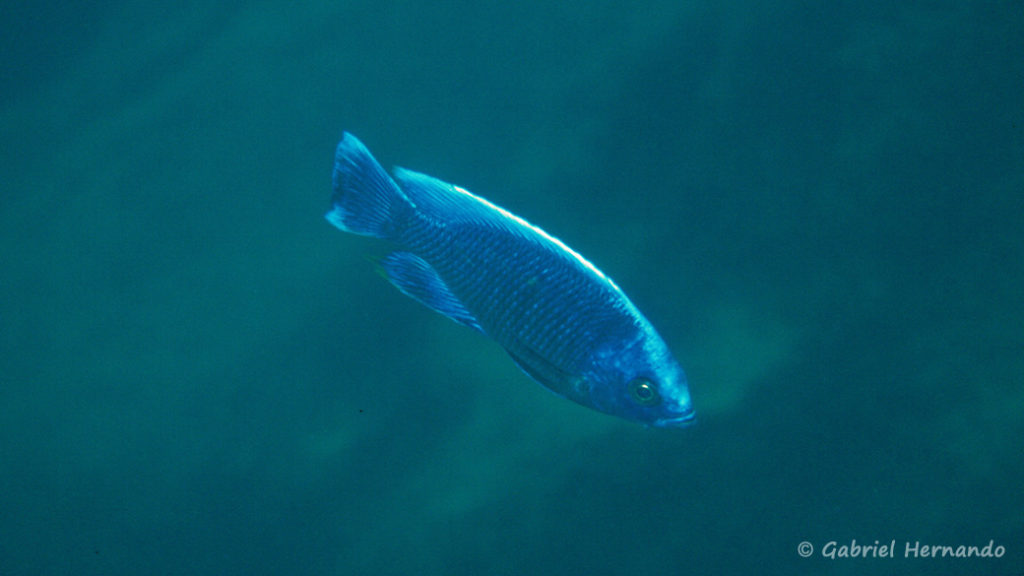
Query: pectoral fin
<point x="548" y="374"/>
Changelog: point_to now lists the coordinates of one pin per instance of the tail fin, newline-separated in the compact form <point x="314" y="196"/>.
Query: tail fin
<point x="366" y="200"/>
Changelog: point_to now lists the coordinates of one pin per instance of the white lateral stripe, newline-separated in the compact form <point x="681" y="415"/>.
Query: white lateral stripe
<point x="544" y="234"/>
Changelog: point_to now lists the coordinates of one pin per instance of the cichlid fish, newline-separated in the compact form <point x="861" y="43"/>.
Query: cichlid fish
<point x="565" y="324"/>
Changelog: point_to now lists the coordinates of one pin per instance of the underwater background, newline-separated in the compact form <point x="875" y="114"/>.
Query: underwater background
<point x="820" y="206"/>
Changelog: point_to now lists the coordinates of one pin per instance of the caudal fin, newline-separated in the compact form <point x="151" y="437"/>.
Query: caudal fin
<point x="366" y="200"/>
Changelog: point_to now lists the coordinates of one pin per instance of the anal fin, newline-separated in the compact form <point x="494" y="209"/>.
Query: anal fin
<point x="417" y="279"/>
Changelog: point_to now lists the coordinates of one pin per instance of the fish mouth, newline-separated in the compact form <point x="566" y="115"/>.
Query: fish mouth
<point x="680" y="421"/>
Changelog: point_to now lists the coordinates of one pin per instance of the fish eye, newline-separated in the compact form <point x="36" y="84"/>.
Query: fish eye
<point x="644" y="392"/>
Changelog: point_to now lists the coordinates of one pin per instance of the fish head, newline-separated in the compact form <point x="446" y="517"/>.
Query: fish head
<point x="642" y="382"/>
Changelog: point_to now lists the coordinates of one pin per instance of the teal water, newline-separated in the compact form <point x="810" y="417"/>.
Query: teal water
<point x="818" y="205"/>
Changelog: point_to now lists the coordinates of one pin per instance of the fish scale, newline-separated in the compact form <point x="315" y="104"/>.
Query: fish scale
<point x="564" y="323"/>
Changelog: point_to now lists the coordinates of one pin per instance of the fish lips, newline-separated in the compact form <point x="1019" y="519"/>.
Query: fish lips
<point x="680" y="421"/>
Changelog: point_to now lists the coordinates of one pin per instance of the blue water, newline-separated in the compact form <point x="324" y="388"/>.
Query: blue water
<point x="819" y="206"/>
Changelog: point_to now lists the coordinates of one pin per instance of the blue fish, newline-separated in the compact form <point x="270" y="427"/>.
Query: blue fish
<point x="563" y="322"/>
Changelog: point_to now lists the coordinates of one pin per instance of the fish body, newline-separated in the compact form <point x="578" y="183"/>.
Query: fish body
<point x="563" y="322"/>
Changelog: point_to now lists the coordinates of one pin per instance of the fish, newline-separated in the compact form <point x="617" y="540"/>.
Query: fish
<point x="564" y="323"/>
